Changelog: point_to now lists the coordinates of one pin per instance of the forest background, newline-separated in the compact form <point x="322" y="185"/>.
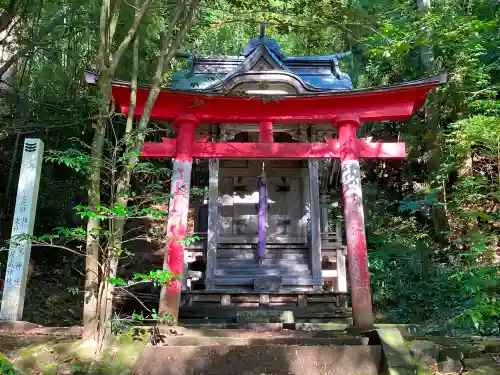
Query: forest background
<point x="433" y="220"/>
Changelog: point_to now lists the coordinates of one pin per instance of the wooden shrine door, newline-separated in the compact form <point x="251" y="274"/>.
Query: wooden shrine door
<point x="238" y="198"/>
<point x="285" y="206"/>
<point x="238" y="207"/>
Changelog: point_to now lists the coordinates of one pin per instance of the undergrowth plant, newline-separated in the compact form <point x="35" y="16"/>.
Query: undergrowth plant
<point x="461" y="287"/>
<point x="147" y="203"/>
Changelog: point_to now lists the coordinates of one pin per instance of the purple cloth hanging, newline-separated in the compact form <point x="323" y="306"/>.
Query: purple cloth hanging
<point x="262" y="215"/>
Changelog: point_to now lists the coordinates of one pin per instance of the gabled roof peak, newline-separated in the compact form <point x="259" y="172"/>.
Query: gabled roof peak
<point x="263" y="63"/>
<point x="263" y="41"/>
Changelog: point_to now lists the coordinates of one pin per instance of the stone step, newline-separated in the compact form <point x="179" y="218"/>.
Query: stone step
<point x="243" y="341"/>
<point x="260" y="359"/>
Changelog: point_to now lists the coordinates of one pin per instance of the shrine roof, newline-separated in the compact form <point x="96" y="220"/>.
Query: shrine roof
<point x="390" y="102"/>
<point x="262" y="65"/>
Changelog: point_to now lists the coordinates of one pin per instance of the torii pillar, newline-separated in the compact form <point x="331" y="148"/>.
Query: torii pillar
<point x="351" y="149"/>
<point x="177" y="215"/>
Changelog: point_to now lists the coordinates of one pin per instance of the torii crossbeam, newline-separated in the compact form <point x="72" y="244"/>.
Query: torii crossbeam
<point x="331" y="148"/>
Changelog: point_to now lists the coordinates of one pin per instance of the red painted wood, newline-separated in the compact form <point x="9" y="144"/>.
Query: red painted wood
<point x="186" y="126"/>
<point x="389" y="103"/>
<point x="236" y="150"/>
<point x="367" y="149"/>
<point x="266" y="132"/>
<point x="346" y="110"/>
<point x="177" y="216"/>
<point x="355" y="228"/>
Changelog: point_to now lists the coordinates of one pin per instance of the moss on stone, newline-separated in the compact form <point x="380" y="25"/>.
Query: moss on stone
<point x="62" y="354"/>
<point x="3" y="359"/>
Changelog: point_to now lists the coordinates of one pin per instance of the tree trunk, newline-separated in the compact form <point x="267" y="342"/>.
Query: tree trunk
<point x="133" y="146"/>
<point x="99" y="292"/>
<point x="431" y="145"/>
<point x="121" y="199"/>
<point x="92" y="267"/>
<point x="426" y="53"/>
<point x="94" y="272"/>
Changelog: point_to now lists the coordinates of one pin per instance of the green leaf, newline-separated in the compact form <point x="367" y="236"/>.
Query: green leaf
<point x="117" y="281"/>
<point x="136" y="316"/>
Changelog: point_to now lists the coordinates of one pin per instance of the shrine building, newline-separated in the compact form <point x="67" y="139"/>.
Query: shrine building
<point x="269" y="135"/>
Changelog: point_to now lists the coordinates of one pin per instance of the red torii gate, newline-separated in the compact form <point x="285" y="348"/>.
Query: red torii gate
<point x="345" y="110"/>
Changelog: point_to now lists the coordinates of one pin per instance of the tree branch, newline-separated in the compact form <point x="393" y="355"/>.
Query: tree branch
<point x="182" y="33"/>
<point x="167" y="52"/>
<point x="45" y="244"/>
<point x="6" y="33"/>
<point x="130" y="35"/>
<point x="134" y="296"/>
<point x="8" y="14"/>
<point x="37" y="40"/>
<point x="104" y="45"/>
<point x="114" y="16"/>
<point x="133" y="82"/>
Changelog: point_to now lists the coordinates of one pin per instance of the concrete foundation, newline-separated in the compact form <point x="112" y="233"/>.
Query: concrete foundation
<point x="260" y="359"/>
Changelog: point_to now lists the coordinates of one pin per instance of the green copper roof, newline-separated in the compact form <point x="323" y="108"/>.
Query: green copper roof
<point x="263" y="55"/>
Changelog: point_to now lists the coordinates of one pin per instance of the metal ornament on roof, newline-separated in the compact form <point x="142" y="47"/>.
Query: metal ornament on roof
<point x="263" y="40"/>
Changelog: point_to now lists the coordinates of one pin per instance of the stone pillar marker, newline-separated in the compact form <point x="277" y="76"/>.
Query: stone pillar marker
<point x="16" y="274"/>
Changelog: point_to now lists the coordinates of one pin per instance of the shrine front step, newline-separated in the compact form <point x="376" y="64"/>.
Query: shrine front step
<point x="242" y="280"/>
<point x="279" y="299"/>
<point x="288" y="338"/>
<point x="205" y="314"/>
<point x="302" y="270"/>
<point x="270" y="253"/>
<point x="259" y="263"/>
<point x="257" y="358"/>
<point x="250" y="257"/>
<point x="269" y="246"/>
<point x="262" y="349"/>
